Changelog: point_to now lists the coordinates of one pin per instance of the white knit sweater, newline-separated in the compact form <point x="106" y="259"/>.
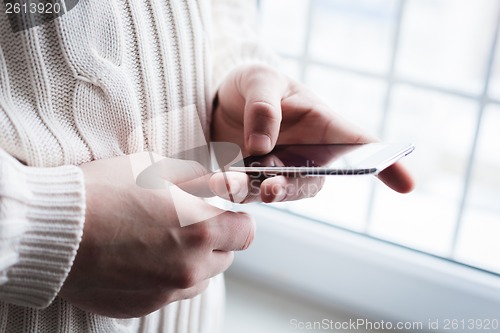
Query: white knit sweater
<point x="108" y="78"/>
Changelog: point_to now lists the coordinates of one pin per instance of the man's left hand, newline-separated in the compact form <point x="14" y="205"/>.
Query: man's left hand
<point x="258" y="107"/>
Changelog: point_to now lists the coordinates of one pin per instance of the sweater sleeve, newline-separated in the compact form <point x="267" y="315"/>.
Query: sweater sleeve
<point x="42" y="212"/>
<point x="235" y="38"/>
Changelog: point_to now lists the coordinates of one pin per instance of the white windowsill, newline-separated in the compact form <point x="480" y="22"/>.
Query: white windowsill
<point x="251" y="307"/>
<point x="341" y="269"/>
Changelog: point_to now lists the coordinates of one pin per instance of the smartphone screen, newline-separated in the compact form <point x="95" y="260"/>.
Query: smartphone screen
<point x="325" y="159"/>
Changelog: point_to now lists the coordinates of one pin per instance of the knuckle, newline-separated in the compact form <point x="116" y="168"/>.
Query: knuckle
<point x="256" y="70"/>
<point x="264" y="109"/>
<point x="188" y="277"/>
<point x="258" y="73"/>
<point x="201" y="235"/>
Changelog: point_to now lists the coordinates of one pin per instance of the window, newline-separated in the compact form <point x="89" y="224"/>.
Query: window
<point x="423" y="71"/>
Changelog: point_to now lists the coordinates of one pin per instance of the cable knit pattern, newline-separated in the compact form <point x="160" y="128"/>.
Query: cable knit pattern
<point x="108" y="78"/>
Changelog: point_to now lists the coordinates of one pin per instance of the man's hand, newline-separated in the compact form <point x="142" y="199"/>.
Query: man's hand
<point x="259" y="107"/>
<point x="134" y="256"/>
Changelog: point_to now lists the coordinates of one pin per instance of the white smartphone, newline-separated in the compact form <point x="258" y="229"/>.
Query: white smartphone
<point x="324" y="159"/>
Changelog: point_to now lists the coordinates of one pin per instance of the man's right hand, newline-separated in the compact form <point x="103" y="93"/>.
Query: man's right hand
<point x="134" y="256"/>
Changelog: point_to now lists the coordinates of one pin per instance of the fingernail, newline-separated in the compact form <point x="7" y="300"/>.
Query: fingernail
<point x="219" y="188"/>
<point x="279" y="193"/>
<point x="234" y="187"/>
<point x="239" y="190"/>
<point x="260" y="142"/>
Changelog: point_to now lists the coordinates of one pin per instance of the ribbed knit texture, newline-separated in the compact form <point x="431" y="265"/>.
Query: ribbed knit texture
<point x="108" y="78"/>
<point x="42" y="209"/>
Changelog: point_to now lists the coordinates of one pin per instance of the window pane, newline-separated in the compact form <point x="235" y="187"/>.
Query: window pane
<point x="495" y="75"/>
<point x="353" y="33"/>
<point x="441" y="127"/>
<point x="478" y="242"/>
<point x="357" y="98"/>
<point x="283" y="25"/>
<point x="447" y="43"/>
<point x="291" y="68"/>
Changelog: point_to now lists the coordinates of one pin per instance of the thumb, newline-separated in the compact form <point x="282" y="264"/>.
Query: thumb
<point x="263" y="89"/>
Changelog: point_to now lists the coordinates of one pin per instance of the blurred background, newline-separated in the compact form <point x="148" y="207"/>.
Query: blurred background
<point x="420" y="71"/>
